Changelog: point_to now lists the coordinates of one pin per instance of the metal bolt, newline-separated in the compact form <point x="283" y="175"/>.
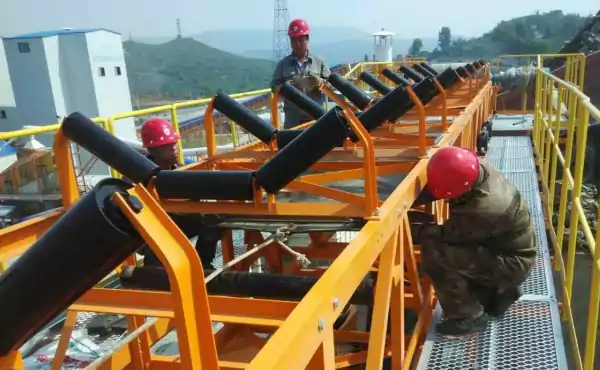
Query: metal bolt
<point x="336" y="303"/>
<point x="321" y="325"/>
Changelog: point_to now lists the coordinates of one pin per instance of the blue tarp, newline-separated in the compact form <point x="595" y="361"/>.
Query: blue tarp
<point x="6" y="150"/>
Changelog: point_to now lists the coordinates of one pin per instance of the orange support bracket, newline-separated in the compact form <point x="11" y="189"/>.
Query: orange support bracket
<point x="209" y="130"/>
<point x="65" y="169"/>
<point x="12" y="361"/>
<point x="186" y="277"/>
<point x="274" y="105"/>
<point x="370" y="164"/>
<point x="444" y="97"/>
<point x="422" y="123"/>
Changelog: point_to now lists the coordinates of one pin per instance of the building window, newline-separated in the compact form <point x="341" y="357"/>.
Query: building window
<point x="118" y="71"/>
<point x="102" y="72"/>
<point x="23" y="47"/>
<point x="2" y="114"/>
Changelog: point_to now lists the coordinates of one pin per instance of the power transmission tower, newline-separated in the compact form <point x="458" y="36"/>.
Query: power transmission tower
<point x="178" y="28"/>
<point x="281" y="20"/>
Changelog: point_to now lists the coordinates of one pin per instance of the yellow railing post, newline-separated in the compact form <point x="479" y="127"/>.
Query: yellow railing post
<point x="175" y="122"/>
<point x="557" y="127"/>
<point x="233" y="130"/>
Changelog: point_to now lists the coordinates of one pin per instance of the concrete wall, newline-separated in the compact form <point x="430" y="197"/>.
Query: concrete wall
<point x="8" y="108"/>
<point x="30" y="79"/>
<point x="106" y="54"/>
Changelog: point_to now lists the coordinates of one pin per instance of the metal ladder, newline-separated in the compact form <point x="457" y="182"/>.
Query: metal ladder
<point x="529" y="336"/>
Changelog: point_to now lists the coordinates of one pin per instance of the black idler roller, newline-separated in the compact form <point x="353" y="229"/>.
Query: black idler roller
<point x="205" y="185"/>
<point x="244" y="117"/>
<point x="422" y="70"/>
<point x="447" y="78"/>
<point x="429" y="68"/>
<point x="108" y="148"/>
<point x="469" y="67"/>
<point x="410" y="74"/>
<point x="372" y="81"/>
<point x="81" y="248"/>
<point x="350" y="91"/>
<point x="425" y="90"/>
<point x="311" y="145"/>
<point x="284" y="137"/>
<point x="476" y="64"/>
<point x="388" y="108"/>
<point x="302" y="101"/>
<point x="241" y="284"/>
<point x="395" y="78"/>
<point x="462" y="72"/>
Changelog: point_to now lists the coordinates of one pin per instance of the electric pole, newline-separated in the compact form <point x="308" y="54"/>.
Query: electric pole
<point x="281" y="21"/>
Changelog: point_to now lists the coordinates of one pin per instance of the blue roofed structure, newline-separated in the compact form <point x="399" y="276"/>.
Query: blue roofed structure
<point x="64" y="31"/>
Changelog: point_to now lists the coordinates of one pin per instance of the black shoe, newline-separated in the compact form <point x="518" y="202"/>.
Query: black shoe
<point x="468" y="325"/>
<point x="502" y="302"/>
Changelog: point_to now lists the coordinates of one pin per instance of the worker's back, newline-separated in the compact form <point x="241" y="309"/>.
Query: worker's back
<point x="496" y="215"/>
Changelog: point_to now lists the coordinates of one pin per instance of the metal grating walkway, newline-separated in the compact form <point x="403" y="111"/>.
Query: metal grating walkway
<point x="529" y="336"/>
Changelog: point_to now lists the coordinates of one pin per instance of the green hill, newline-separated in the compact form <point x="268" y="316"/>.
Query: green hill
<point x="532" y="34"/>
<point x="185" y="68"/>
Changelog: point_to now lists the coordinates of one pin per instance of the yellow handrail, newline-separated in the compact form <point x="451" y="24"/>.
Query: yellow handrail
<point x="550" y="93"/>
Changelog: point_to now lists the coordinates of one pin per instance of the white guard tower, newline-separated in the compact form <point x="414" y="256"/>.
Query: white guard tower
<point x="383" y="42"/>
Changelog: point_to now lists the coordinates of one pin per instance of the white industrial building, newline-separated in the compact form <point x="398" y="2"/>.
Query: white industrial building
<point x="8" y="107"/>
<point x="383" y="41"/>
<point x="55" y="73"/>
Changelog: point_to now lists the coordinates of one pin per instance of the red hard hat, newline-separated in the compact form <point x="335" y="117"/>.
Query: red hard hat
<point x="298" y="27"/>
<point x="451" y="172"/>
<point x="158" y="132"/>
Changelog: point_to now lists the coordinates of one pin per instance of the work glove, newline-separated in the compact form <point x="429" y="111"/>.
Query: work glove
<point x="307" y="81"/>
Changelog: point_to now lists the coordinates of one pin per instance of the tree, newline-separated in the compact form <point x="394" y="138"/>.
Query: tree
<point x="445" y="39"/>
<point x="416" y="47"/>
<point x="366" y="57"/>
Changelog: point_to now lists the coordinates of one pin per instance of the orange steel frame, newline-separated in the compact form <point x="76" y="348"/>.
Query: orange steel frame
<point x="301" y="333"/>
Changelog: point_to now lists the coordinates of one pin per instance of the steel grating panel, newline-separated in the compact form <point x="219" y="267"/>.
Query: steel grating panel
<point x="524" y="338"/>
<point x="529" y="336"/>
<point x="536" y="284"/>
<point x="513" y="164"/>
<point x="511" y="154"/>
<point x="510" y="141"/>
<point x="238" y="248"/>
<point x="532" y="198"/>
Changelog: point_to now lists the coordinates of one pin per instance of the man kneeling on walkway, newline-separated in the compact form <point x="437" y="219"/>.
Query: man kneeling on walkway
<point x="485" y="250"/>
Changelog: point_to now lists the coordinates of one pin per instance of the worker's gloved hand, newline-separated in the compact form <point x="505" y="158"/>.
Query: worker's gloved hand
<point x="307" y="81"/>
<point x="316" y="80"/>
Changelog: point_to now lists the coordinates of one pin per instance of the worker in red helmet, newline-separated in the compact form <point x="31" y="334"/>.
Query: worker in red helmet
<point x="303" y="69"/>
<point x="160" y="139"/>
<point x="484" y="251"/>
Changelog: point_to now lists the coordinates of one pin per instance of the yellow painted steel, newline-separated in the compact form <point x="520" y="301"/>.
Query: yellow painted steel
<point x="574" y="69"/>
<point x="307" y="331"/>
<point x="553" y="99"/>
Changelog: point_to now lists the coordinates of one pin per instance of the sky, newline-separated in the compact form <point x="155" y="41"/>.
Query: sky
<point x="157" y="18"/>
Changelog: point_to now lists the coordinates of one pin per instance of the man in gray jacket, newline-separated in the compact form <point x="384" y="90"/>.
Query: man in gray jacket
<point x="303" y="69"/>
